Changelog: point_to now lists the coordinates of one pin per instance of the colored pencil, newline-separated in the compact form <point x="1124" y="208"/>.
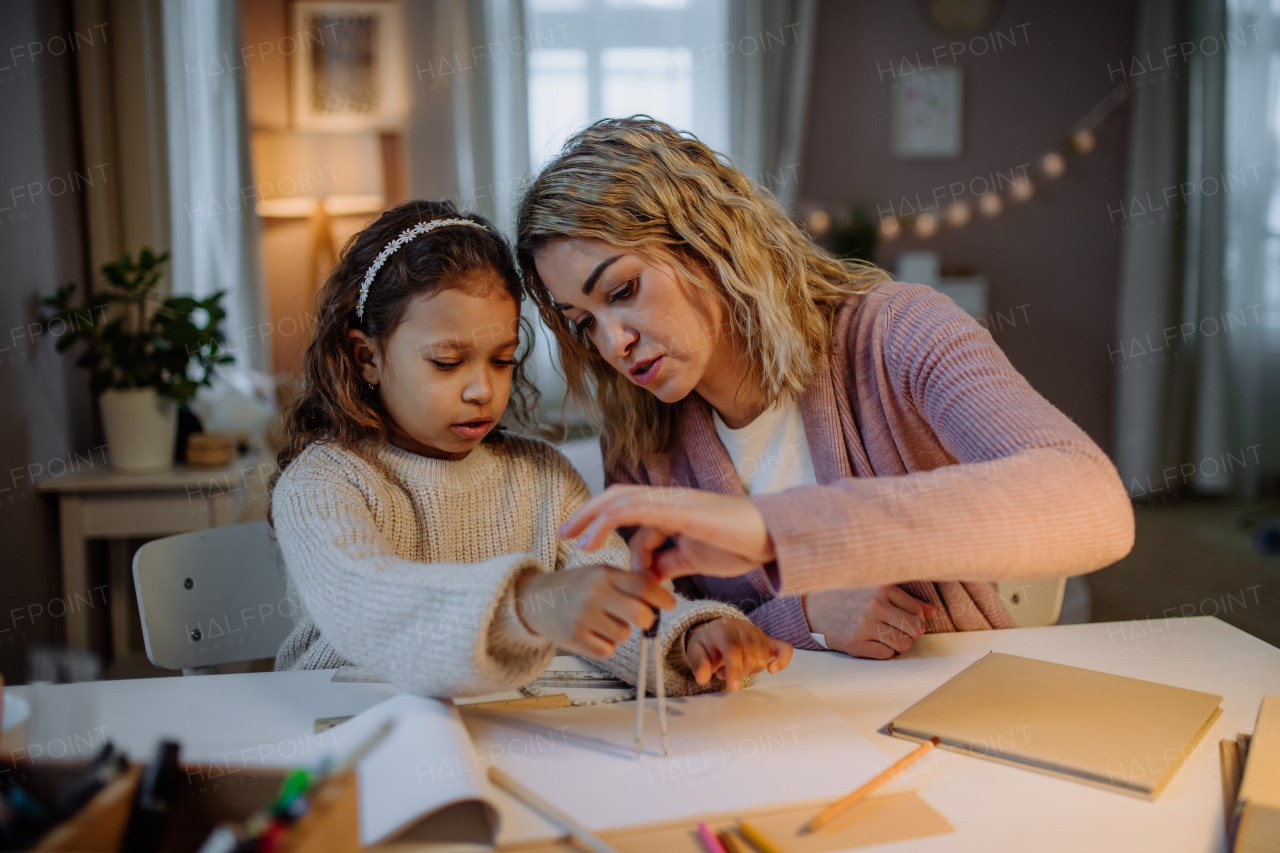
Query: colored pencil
<point x="841" y="806"/>
<point x="709" y="839"/>
<point x="756" y="837"/>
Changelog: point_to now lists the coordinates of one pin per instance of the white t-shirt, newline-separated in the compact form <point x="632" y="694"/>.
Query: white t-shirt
<point x="770" y="454"/>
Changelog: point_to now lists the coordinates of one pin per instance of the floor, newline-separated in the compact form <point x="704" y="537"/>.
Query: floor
<point x="1194" y="558"/>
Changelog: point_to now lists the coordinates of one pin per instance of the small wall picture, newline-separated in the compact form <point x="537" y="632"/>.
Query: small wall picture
<point x="928" y="114"/>
<point x="347" y="73"/>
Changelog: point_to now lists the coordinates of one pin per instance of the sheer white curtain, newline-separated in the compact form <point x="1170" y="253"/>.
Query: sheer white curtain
<point x="468" y="125"/>
<point x="213" y="230"/>
<point x="592" y="59"/>
<point x="771" y="53"/>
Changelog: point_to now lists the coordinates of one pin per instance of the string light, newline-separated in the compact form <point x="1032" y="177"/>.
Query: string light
<point x="990" y="204"/>
<point x="1083" y="140"/>
<point x="1022" y="189"/>
<point x="1053" y="165"/>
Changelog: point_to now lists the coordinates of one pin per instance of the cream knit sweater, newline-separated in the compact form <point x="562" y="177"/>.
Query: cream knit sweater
<point x="411" y="576"/>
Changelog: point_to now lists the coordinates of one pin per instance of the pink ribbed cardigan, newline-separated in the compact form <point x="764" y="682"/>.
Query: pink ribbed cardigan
<point x="935" y="459"/>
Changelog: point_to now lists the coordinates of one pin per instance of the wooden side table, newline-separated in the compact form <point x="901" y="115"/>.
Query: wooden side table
<point x="95" y="503"/>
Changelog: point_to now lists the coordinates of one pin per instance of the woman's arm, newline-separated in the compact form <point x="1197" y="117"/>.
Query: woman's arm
<point x="1030" y="496"/>
<point x="436" y="629"/>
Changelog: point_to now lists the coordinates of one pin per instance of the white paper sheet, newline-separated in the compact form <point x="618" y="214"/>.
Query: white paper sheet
<point x="425" y="764"/>
<point x="729" y="751"/>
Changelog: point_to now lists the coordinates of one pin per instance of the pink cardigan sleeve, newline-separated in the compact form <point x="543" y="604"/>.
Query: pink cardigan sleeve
<point x="1031" y="496"/>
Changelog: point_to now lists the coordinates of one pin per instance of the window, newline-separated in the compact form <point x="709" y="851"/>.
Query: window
<point x="611" y="58"/>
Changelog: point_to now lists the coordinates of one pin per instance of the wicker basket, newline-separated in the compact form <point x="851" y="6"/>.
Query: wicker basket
<point x="209" y="450"/>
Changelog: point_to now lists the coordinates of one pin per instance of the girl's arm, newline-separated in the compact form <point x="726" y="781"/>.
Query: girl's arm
<point x="675" y="625"/>
<point x="436" y="629"/>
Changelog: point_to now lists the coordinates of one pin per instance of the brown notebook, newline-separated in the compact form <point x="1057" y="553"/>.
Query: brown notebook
<point x="1108" y="730"/>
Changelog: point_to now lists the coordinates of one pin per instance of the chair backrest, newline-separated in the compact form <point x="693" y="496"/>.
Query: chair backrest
<point x="1033" y="604"/>
<point x="212" y="596"/>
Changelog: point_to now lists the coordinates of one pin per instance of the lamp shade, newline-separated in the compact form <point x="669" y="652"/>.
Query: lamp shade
<point x="296" y="172"/>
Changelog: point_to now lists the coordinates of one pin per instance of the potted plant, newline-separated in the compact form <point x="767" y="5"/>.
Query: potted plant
<point x="854" y="236"/>
<point x="144" y="359"/>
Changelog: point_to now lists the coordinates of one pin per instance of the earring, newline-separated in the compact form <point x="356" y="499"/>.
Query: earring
<point x="372" y="387"/>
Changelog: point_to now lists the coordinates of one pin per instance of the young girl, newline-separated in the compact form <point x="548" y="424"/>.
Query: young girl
<point x="419" y="536"/>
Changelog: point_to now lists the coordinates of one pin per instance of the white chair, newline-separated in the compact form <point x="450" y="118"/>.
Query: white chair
<point x="1033" y="604"/>
<point x="212" y="596"/>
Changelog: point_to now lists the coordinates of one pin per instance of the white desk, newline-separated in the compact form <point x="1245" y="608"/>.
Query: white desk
<point x="993" y="807"/>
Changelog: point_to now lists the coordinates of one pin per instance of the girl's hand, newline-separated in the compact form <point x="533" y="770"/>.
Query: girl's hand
<point x="733" y="649"/>
<point x="716" y="535"/>
<point x="872" y="622"/>
<point x="588" y="609"/>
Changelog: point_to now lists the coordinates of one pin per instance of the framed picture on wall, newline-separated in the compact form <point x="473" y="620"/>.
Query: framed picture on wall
<point x="348" y="68"/>
<point x="928" y="114"/>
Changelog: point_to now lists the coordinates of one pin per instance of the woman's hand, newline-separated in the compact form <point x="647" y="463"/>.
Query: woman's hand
<point x="733" y="649"/>
<point x="588" y="609"/>
<point x="715" y="535"/>
<point x="872" y="622"/>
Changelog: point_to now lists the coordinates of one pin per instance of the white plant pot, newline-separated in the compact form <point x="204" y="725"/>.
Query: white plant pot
<point x="141" y="428"/>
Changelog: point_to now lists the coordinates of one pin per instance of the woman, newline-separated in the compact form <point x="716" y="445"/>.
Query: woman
<point x="815" y="438"/>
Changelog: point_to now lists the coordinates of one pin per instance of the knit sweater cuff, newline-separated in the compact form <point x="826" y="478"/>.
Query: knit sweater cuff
<point x="784" y="619"/>
<point x="508" y="636"/>
<point x="508" y="630"/>
<point x="673" y="636"/>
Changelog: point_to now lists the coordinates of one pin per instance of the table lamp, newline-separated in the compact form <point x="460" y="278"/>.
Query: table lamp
<point x="317" y="176"/>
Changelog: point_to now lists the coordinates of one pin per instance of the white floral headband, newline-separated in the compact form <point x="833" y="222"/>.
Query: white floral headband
<point x="390" y="249"/>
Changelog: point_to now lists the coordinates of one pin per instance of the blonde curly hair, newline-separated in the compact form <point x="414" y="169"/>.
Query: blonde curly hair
<point x="638" y="184"/>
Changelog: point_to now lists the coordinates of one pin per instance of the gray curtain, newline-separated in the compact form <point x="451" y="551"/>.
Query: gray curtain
<point x="468" y="134"/>
<point x="769" y="89"/>
<point x="1248" y="359"/>
<point x="1185" y="373"/>
<point x="213" y="232"/>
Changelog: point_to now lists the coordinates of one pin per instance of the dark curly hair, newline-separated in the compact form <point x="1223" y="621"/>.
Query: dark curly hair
<point x="334" y="405"/>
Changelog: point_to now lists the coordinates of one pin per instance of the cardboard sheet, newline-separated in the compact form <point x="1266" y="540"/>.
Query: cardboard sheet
<point x="881" y="820"/>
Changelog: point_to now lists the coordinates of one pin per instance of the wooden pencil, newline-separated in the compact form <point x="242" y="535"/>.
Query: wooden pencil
<point x="580" y="833"/>
<point x="842" y="805"/>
